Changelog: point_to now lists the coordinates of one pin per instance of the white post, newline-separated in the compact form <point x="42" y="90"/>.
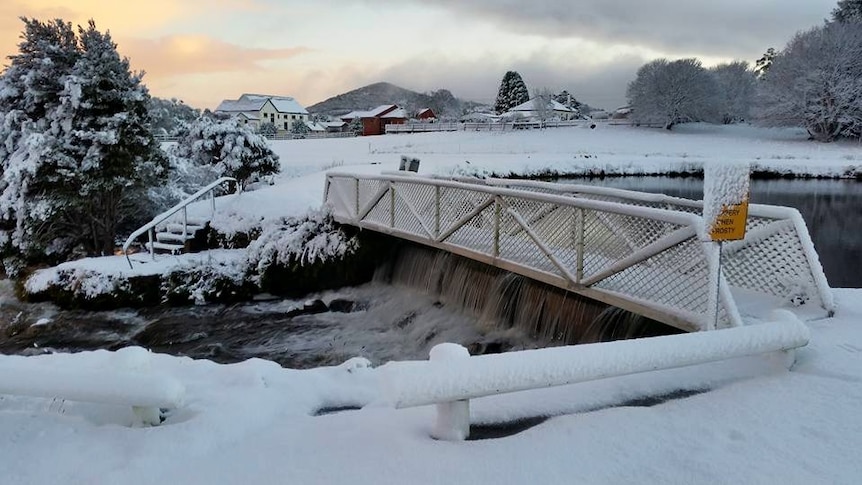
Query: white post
<point x="453" y="418"/>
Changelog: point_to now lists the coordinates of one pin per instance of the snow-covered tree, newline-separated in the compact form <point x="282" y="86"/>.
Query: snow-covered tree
<point x="736" y="88"/>
<point x="512" y="92"/>
<point x="848" y="11"/>
<point x="76" y="143"/>
<point x="672" y="92"/>
<point x="111" y="143"/>
<point x="543" y="104"/>
<point x="566" y="99"/>
<point x="761" y="67"/>
<point x="355" y="125"/>
<point x="233" y="149"/>
<point x="816" y="83"/>
<point x="299" y="127"/>
<point x="171" y="117"/>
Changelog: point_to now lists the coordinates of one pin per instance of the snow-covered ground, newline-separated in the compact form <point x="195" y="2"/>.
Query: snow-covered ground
<point x="255" y="422"/>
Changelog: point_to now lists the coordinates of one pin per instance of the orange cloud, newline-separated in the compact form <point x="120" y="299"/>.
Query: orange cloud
<point x="122" y="18"/>
<point x="195" y="54"/>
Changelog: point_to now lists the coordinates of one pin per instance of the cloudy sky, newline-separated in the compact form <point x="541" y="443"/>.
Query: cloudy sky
<point x="202" y="51"/>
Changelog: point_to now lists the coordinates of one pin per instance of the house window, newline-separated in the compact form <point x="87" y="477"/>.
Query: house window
<point x="285" y="125"/>
<point x="293" y="117"/>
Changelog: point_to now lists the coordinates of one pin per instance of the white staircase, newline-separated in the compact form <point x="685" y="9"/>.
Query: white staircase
<point x="172" y="237"/>
<point x="170" y="231"/>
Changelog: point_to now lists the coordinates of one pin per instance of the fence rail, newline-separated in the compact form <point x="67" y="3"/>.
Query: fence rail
<point x="474" y="126"/>
<point x="647" y="260"/>
<point x="281" y="136"/>
<point x="777" y="256"/>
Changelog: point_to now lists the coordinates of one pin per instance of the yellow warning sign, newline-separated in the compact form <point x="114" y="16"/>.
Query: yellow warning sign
<point x="730" y="223"/>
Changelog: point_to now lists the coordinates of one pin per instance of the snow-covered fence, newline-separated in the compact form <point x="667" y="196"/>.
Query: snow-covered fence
<point x="451" y="378"/>
<point x="777" y="256"/>
<point x="646" y="260"/>
<point x="123" y="384"/>
<point x="473" y="126"/>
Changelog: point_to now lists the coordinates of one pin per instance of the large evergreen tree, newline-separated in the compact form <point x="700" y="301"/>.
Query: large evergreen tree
<point x="513" y="91"/>
<point x="76" y="142"/>
<point x="114" y="151"/>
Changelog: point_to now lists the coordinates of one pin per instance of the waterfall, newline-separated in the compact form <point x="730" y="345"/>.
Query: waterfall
<point x="500" y="299"/>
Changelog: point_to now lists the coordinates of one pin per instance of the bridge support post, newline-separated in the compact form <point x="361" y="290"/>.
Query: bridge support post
<point x="453" y="417"/>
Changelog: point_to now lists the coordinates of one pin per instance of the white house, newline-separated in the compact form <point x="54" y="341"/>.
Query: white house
<point x="254" y="109"/>
<point x="555" y="110"/>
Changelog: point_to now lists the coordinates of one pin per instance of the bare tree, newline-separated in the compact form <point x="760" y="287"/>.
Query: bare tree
<point x="816" y="82"/>
<point x="672" y="92"/>
<point x="543" y="105"/>
<point x="736" y="89"/>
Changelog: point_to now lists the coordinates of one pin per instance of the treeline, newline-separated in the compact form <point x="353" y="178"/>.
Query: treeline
<point x="78" y="160"/>
<point x="815" y="82"/>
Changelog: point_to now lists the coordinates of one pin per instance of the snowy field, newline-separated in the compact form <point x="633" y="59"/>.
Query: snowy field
<point x="746" y="421"/>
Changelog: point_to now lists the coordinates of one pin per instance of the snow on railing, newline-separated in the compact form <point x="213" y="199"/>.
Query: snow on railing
<point x="777" y="256"/>
<point x="126" y="382"/>
<point x="646" y="260"/>
<point x="150" y="227"/>
<point x="452" y="377"/>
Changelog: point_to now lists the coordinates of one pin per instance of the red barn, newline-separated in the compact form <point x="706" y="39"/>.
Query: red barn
<point x="426" y="114"/>
<point x="374" y="121"/>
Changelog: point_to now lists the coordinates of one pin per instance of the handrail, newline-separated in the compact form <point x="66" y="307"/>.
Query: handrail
<point x="173" y="210"/>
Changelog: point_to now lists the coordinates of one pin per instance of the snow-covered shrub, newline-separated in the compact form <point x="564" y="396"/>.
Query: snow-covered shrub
<point x="299" y="256"/>
<point x="91" y="289"/>
<point x="267" y="128"/>
<point x="231" y="148"/>
<point x="300" y="242"/>
<point x="221" y="281"/>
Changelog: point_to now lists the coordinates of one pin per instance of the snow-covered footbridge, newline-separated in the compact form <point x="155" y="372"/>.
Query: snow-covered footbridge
<point x="641" y="252"/>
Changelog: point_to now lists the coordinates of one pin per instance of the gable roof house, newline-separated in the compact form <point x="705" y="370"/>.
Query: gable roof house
<point x="254" y="109"/>
<point x="374" y="121"/>
<point x="555" y="110"/>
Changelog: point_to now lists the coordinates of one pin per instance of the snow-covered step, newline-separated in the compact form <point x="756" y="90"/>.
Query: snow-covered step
<point x="177" y="228"/>
<point x="160" y="246"/>
<point x="173" y="237"/>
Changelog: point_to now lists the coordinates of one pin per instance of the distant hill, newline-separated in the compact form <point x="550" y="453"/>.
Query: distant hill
<point x="442" y="102"/>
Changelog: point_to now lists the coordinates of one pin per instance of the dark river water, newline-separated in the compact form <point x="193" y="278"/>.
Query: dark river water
<point x="832" y="210"/>
<point x="383" y="321"/>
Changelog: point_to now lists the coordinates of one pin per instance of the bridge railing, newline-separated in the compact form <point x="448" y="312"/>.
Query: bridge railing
<point x="646" y="260"/>
<point x="777" y="256"/>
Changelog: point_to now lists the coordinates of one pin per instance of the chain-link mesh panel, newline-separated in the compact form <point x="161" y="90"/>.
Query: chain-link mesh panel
<point x="775" y="265"/>
<point x="477" y="233"/>
<point x="520" y="248"/>
<point x="677" y="277"/>
<point x="422" y="200"/>
<point x="455" y="204"/>
<point x="381" y="212"/>
<point x="342" y="196"/>
<point x="369" y="189"/>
